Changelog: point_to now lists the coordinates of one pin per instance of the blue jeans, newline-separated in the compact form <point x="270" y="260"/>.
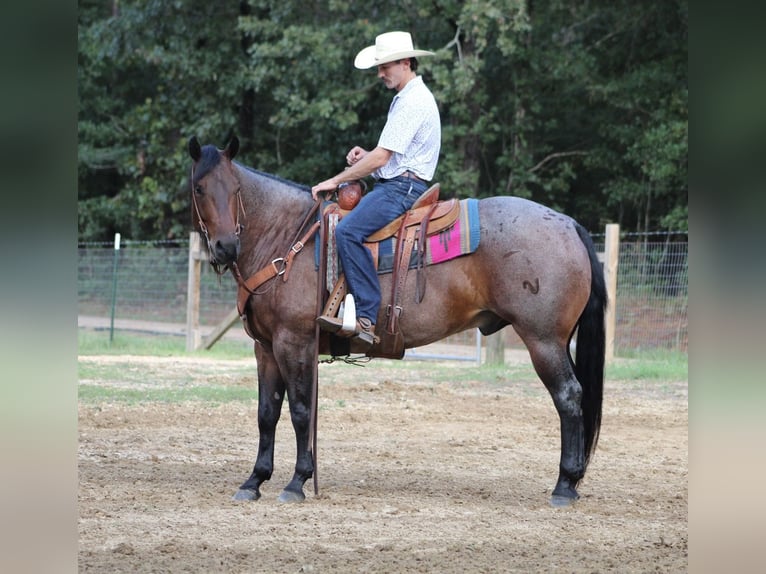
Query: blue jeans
<point x="387" y="201"/>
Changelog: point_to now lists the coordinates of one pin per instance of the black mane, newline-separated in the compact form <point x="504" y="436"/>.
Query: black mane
<point x="276" y="178"/>
<point x="211" y="157"/>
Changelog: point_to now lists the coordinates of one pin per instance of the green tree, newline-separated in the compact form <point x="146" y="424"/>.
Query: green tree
<point x="149" y="74"/>
<point x="638" y="90"/>
<point x="579" y="105"/>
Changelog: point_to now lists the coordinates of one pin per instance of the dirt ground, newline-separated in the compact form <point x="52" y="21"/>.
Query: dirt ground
<point x="414" y="476"/>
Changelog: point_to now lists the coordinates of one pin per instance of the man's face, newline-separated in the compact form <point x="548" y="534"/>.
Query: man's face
<point x="393" y="74"/>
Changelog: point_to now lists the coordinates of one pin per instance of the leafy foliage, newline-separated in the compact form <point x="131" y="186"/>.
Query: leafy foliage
<point x="582" y="106"/>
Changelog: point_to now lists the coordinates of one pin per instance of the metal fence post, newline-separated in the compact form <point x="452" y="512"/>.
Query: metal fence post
<point x="196" y="254"/>
<point x="114" y="285"/>
<point x="611" y="259"/>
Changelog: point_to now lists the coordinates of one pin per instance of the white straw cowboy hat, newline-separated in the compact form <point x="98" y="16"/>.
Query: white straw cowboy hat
<point x="389" y="47"/>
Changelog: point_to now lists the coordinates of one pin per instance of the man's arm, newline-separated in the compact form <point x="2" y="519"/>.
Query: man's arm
<point x="363" y="166"/>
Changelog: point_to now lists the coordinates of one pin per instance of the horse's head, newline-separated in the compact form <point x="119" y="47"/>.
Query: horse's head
<point x="216" y="201"/>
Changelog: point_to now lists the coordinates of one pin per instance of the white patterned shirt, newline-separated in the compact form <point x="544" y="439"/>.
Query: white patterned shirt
<point x="412" y="132"/>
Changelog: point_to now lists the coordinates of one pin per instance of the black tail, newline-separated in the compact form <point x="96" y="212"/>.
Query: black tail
<point x="591" y="348"/>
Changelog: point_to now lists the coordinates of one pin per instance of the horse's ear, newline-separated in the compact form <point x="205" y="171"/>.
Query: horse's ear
<point x="232" y="147"/>
<point x="195" y="151"/>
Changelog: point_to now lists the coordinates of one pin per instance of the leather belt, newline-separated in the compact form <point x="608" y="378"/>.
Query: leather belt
<point x="410" y="175"/>
<point x="406" y="175"/>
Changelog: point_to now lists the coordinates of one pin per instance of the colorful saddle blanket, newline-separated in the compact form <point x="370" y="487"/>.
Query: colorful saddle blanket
<point x="461" y="238"/>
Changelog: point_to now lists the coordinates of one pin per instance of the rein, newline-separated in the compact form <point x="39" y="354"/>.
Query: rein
<point x="280" y="265"/>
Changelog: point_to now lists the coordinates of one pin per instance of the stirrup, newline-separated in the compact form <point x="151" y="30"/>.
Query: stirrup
<point x="349" y="316"/>
<point x="345" y="323"/>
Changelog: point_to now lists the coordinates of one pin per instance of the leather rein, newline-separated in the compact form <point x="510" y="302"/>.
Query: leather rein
<point x="280" y="265"/>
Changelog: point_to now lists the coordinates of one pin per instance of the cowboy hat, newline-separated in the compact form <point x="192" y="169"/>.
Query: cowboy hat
<point x="389" y="47"/>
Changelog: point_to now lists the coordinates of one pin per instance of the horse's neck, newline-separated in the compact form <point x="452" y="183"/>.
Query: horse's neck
<point x="274" y="214"/>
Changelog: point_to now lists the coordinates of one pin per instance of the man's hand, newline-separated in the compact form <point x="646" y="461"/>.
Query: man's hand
<point x="355" y="155"/>
<point x="326" y="185"/>
<point x="372" y="161"/>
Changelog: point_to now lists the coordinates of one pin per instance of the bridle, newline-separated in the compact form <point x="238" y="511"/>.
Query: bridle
<point x="238" y="227"/>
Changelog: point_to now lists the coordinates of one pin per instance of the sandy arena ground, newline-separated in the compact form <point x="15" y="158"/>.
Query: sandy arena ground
<point x="414" y="476"/>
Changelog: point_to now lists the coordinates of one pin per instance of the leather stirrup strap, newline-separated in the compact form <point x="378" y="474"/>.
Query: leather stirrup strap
<point x="391" y="322"/>
<point x="402" y="263"/>
<point x="420" y="274"/>
<point x="337" y="295"/>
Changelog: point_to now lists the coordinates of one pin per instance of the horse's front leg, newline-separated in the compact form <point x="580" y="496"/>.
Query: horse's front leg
<point x="271" y="393"/>
<point x="297" y="365"/>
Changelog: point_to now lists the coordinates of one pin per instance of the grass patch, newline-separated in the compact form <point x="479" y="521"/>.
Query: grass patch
<point x="654" y="365"/>
<point x="124" y="343"/>
<point x="134" y="372"/>
<point x="211" y="394"/>
<point x="125" y="373"/>
<point x="488" y="374"/>
<point x="135" y="382"/>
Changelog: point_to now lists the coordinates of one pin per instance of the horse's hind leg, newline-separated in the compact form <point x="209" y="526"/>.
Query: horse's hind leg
<point x="553" y="365"/>
<point x="271" y="392"/>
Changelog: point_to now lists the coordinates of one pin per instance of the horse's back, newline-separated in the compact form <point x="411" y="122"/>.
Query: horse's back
<point x="517" y="234"/>
<point x="537" y="262"/>
<point x="521" y="217"/>
<point x="530" y="268"/>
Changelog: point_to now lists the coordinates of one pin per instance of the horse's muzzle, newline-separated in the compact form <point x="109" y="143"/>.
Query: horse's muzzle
<point x="225" y="250"/>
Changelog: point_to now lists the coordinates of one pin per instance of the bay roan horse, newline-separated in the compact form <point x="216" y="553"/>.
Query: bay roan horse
<point x="534" y="269"/>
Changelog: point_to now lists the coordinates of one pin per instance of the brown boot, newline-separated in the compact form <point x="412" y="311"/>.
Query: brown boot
<point x="365" y="331"/>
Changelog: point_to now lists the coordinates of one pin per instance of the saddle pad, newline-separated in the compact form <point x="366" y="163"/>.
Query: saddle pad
<point x="460" y="239"/>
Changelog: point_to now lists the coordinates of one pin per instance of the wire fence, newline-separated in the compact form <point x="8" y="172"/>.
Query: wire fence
<point x="652" y="294"/>
<point x="148" y="281"/>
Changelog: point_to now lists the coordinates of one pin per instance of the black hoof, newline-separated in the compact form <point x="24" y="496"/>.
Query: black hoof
<point x="246" y="494"/>
<point x="565" y="493"/>
<point x="290" y="496"/>
<point x="562" y="501"/>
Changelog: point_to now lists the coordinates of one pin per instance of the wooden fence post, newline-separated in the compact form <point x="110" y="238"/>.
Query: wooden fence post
<point x="611" y="259"/>
<point x="495" y="354"/>
<point x="196" y="256"/>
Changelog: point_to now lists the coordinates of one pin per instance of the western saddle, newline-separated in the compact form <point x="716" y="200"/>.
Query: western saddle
<point x="427" y="217"/>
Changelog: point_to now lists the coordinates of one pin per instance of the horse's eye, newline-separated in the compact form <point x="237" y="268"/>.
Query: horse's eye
<point x="198" y="189"/>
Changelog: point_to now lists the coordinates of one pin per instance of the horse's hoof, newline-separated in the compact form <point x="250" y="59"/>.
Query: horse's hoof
<point x="289" y="496"/>
<point x="246" y="494"/>
<point x="558" y="501"/>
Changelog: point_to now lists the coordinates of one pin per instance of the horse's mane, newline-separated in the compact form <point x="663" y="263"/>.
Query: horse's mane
<point x="211" y="157"/>
<point x="276" y="178"/>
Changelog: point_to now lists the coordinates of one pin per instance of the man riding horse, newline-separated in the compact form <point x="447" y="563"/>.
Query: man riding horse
<point x="402" y="163"/>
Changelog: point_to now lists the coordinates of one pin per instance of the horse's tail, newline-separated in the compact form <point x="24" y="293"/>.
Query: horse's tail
<point x="591" y="347"/>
